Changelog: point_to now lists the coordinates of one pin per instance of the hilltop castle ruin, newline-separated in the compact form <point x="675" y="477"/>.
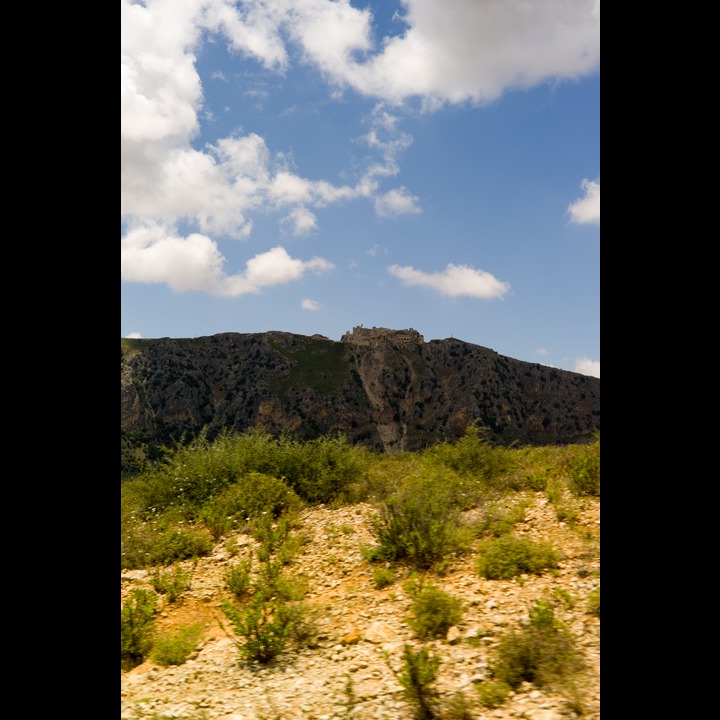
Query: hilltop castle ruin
<point x="370" y="336"/>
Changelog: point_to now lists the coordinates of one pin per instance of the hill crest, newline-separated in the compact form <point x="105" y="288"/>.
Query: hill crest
<point x="387" y="389"/>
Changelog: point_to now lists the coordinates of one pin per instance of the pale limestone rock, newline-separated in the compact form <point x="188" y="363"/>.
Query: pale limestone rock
<point x="379" y="633"/>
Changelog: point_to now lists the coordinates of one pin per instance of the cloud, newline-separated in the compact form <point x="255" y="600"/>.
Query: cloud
<point x="586" y="366"/>
<point x="454" y="281"/>
<point x="396" y="202"/>
<point x="307" y="304"/>
<point x="134" y="336"/>
<point x="542" y="351"/>
<point x="587" y="208"/>
<point x="301" y="221"/>
<point x="217" y="188"/>
<point x="450" y="52"/>
<point x="157" y="254"/>
<point x="376" y="249"/>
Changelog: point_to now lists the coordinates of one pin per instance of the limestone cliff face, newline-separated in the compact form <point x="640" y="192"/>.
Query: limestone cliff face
<point x="389" y="390"/>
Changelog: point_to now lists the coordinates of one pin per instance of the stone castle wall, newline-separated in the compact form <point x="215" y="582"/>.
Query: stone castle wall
<point x="369" y="336"/>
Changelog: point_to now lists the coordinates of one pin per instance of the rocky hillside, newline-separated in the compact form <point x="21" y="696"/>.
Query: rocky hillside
<point x="361" y="630"/>
<point x="389" y="390"/>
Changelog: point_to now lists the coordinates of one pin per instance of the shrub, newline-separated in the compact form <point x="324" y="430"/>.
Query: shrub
<point x="472" y="455"/>
<point x="160" y="540"/>
<point x="417" y="677"/>
<point x="264" y="624"/>
<point x="174" y="648"/>
<point x="536" y="480"/>
<point x="285" y="587"/>
<point x="493" y="693"/>
<point x="351" y="700"/>
<point x="567" y="513"/>
<point x="543" y="652"/>
<point x="247" y="498"/>
<point x="434" y="612"/>
<point x="594" y="602"/>
<point x="238" y="579"/>
<point x="583" y="469"/>
<point x="320" y="470"/>
<point x="137" y="627"/>
<point x="382" y="477"/>
<point x="175" y="543"/>
<point x="457" y="707"/>
<point x="271" y="583"/>
<point x="382" y="577"/>
<point x="508" y="556"/>
<point x="270" y="534"/>
<point x="187" y="477"/>
<point x="304" y="626"/>
<point x="420" y="523"/>
<point x="498" y="519"/>
<point x="170" y="582"/>
<point x="563" y="597"/>
<point x="278" y="538"/>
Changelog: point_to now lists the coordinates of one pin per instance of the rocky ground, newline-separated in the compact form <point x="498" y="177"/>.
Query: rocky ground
<point x="362" y="630"/>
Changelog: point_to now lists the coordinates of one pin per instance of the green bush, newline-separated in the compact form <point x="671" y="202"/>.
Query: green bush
<point x="270" y="534"/>
<point x="457" y="707"/>
<point x="472" y="455"/>
<point x="304" y="623"/>
<point x="499" y="518"/>
<point x="273" y="583"/>
<point x="265" y="626"/>
<point x="320" y="470"/>
<point x="382" y="577"/>
<point x="191" y="477"/>
<point x="174" y="648"/>
<point x="536" y="480"/>
<point x="417" y="677"/>
<point x="161" y="542"/>
<point x="187" y="477"/>
<point x="566" y="512"/>
<point x="434" y="612"/>
<point x="583" y="469"/>
<point x="246" y="499"/>
<point x="137" y="627"/>
<point x="493" y="693"/>
<point x="507" y="556"/>
<point x="383" y="476"/>
<point x="420" y="522"/>
<point x="594" y="602"/>
<point x="238" y="578"/>
<point x="171" y="582"/>
<point x="543" y="652"/>
<point x="180" y="543"/>
<point x="270" y="582"/>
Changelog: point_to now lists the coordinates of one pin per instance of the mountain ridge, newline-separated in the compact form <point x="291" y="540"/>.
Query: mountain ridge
<point x="387" y="389"/>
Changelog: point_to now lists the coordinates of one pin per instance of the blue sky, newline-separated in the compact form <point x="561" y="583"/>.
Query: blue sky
<point x="314" y="165"/>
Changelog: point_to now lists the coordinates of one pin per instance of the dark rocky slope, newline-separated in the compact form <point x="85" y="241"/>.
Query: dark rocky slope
<point x="389" y="390"/>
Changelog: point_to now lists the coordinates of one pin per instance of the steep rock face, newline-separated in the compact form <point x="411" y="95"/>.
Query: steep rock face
<point x="389" y="390"/>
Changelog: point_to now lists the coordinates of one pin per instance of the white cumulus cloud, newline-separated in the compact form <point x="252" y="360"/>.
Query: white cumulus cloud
<point x="301" y="221"/>
<point x="396" y="202"/>
<point x="451" y="52"/>
<point x="158" y="254"/>
<point x="587" y="208"/>
<point x="586" y="366"/>
<point x="454" y="281"/>
<point x="307" y="304"/>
